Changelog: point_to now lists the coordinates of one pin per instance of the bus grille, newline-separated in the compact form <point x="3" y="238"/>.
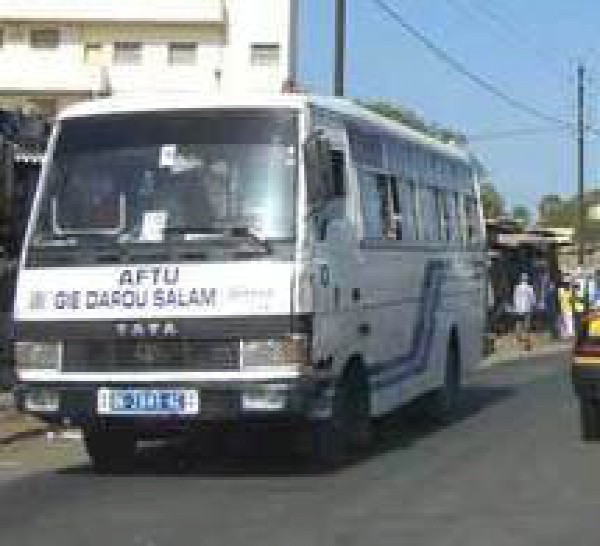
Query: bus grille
<point x="150" y="355"/>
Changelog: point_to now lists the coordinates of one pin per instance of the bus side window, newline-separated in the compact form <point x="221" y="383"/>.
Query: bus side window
<point x="445" y="216"/>
<point x="338" y="173"/>
<point x="386" y="207"/>
<point x="454" y="217"/>
<point x="430" y="211"/>
<point x="472" y="220"/>
<point x="415" y="213"/>
<point x="371" y="205"/>
<point x="397" y="209"/>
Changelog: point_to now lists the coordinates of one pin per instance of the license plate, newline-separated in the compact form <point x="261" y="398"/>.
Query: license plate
<point x="148" y="402"/>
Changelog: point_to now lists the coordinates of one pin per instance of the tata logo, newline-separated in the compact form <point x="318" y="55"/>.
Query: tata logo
<point x="151" y="329"/>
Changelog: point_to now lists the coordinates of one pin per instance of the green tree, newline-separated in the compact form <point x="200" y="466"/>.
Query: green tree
<point x="521" y="214"/>
<point x="414" y="121"/>
<point x="556" y="211"/>
<point x="491" y="201"/>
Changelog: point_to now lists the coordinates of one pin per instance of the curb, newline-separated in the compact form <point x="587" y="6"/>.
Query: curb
<point x="25" y="435"/>
<point x="7" y="407"/>
<point x="547" y="350"/>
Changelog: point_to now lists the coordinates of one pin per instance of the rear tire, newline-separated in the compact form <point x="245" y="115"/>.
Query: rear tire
<point x="110" y="450"/>
<point x="349" y="429"/>
<point x="590" y="420"/>
<point x="443" y="404"/>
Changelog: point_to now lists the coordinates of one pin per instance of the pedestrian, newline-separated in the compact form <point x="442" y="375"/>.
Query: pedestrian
<point x="524" y="301"/>
<point x="548" y="305"/>
<point x="565" y="304"/>
<point x="579" y="290"/>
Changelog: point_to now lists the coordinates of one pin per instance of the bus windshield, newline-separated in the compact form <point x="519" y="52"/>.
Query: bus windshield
<point x="158" y="177"/>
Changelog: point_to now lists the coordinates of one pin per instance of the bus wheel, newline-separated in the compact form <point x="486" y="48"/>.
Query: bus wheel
<point x="110" y="450"/>
<point x="443" y="404"/>
<point x="590" y="420"/>
<point x="349" y="429"/>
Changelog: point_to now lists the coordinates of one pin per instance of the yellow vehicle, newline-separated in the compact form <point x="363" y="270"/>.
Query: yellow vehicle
<point x="585" y="373"/>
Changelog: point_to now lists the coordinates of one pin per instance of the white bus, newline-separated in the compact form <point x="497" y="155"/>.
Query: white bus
<point x="287" y="259"/>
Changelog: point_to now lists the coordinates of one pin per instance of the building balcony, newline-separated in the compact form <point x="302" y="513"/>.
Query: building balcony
<point x="56" y="79"/>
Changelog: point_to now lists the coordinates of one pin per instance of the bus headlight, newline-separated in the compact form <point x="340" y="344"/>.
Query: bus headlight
<point x="38" y="355"/>
<point x="283" y="351"/>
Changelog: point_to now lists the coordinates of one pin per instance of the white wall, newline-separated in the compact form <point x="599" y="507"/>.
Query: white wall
<point x="260" y="21"/>
<point x="224" y="52"/>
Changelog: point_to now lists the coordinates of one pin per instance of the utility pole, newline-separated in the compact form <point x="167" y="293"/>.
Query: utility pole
<point x="580" y="164"/>
<point x="340" y="47"/>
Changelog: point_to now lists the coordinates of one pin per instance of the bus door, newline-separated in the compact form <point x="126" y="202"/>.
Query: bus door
<point x="334" y="243"/>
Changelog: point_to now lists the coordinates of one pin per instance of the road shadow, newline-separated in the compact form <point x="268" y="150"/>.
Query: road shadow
<point x="411" y="424"/>
<point x="268" y="453"/>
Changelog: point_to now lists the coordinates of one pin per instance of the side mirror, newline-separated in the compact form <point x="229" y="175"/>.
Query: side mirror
<point x="317" y="153"/>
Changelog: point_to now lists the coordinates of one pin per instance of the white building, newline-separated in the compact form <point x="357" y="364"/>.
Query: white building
<point x="55" y="52"/>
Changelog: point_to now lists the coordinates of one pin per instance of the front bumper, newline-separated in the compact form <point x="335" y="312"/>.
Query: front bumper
<point x="223" y="402"/>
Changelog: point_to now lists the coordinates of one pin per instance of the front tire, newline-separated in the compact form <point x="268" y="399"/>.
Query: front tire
<point x="590" y="420"/>
<point x="349" y="429"/>
<point x="110" y="450"/>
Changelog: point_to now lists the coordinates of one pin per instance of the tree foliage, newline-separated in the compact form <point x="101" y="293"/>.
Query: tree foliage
<point x="491" y="201"/>
<point x="557" y="211"/>
<point x="521" y="214"/>
<point x="414" y="121"/>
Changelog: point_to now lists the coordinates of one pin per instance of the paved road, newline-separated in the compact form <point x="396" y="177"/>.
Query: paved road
<point x="511" y="472"/>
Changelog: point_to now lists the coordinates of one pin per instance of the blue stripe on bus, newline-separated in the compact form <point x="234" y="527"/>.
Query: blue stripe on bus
<point x="415" y="360"/>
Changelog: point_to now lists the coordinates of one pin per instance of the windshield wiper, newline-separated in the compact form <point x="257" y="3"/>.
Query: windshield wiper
<point x="192" y="230"/>
<point x="244" y="232"/>
<point x="232" y="232"/>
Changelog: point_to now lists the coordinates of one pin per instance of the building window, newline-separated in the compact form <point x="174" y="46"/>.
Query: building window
<point x="265" y="54"/>
<point x="93" y="53"/>
<point x="44" y="38"/>
<point x="183" y="53"/>
<point x="127" y="53"/>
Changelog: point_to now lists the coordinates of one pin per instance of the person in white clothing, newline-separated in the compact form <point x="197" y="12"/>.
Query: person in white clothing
<point x="524" y="301"/>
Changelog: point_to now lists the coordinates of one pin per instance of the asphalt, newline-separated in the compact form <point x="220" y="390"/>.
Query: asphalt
<point x="512" y="471"/>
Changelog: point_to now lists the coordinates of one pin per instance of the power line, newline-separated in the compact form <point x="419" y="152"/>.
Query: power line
<point x="459" y="67"/>
<point x="518" y="34"/>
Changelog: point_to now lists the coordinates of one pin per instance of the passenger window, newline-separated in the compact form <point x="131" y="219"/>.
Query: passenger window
<point x="371" y="205"/>
<point x="397" y="209"/>
<point x="338" y="173"/>
<point x="472" y="219"/>
<point x="415" y="212"/>
<point x="430" y="213"/>
<point x="444" y="214"/>
<point x="386" y="207"/>
<point x="454" y="217"/>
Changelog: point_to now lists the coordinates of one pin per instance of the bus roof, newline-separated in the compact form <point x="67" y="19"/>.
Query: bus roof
<point x="138" y="103"/>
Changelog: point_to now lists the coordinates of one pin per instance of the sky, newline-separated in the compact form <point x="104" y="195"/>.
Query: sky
<point x="529" y="49"/>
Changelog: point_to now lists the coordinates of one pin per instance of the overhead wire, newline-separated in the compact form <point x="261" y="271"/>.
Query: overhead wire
<point x="554" y="60"/>
<point x="462" y="69"/>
